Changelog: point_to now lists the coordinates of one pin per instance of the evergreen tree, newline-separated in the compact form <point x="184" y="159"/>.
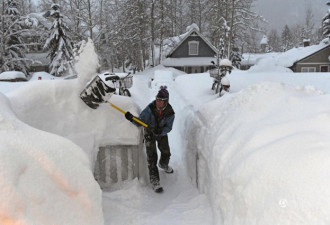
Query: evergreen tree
<point x="12" y="44"/>
<point x="274" y="41"/>
<point x="221" y="48"/>
<point x="236" y="57"/>
<point x="326" y="23"/>
<point x="59" y="44"/>
<point x="286" y="38"/>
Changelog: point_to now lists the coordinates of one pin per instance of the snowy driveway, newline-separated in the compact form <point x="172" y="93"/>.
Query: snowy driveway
<point x="135" y="203"/>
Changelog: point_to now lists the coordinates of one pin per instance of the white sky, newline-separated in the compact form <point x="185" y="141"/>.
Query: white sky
<point x="291" y="12"/>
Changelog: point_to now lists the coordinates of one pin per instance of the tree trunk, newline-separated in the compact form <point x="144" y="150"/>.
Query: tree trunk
<point x="161" y="30"/>
<point x="152" y="28"/>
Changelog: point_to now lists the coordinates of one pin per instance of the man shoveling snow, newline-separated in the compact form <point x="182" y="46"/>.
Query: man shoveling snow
<point x="159" y="115"/>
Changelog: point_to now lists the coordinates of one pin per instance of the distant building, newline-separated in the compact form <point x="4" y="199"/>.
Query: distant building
<point x="264" y="44"/>
<point x="314" y="58"/>
<point x="192" y="54"/>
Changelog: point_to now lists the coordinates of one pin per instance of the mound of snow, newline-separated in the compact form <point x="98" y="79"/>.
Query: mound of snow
<point x="57" y="108"/>
<point x="264" y="157"/>
<point x="43" y="76"/>
<point x="44" y="178"/>
<point x="268" y="64"/>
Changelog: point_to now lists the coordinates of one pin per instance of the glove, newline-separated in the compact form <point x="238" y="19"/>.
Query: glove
<point x="157" y="131"/>
<point x="129" y="116"/>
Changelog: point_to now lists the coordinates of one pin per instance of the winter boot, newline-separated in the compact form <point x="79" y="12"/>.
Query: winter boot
<point x="167" y="169"/>
<point x="157" y="188"/>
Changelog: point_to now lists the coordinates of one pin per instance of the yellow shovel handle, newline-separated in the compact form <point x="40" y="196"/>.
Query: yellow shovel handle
<point x="134" y="118"/>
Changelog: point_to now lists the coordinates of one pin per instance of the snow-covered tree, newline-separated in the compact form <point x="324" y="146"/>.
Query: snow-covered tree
<point x="12" y="51"/>
<point x="286" y="38"/>
<point x="221" y="49"/>
<point x="274" y="40"/>
<point x="309" y="25"/>
<point x="59" y="44"/>
<point x="326" y="23"/>
<point x="232" y="20"/>
<point x="236" y="57"/>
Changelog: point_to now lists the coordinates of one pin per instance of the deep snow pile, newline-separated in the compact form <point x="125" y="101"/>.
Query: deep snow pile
<point x="263" y="157"/>
<point x="55" y="106"/>
<point x="44" y="178"/>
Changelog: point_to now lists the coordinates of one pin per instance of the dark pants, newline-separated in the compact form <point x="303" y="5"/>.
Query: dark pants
<point x="162" y="143"/>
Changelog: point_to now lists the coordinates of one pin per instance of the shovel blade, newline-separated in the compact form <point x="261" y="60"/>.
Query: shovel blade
<point x="96" y="92"/>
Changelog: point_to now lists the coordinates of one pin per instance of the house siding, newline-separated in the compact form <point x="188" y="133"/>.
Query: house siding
<point x="316" y="60"/>
<point x="183" y="50"/>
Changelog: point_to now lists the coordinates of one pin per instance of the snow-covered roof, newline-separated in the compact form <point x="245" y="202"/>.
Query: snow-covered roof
<point x="192" y="61"/>
<point x="264" y="40"/>
<point x="253" y="58"/>
<point x="288" y="58"/>
<point x="186" y="35"/>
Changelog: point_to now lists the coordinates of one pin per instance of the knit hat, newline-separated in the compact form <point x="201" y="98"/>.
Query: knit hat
<point x="163" y="94"/>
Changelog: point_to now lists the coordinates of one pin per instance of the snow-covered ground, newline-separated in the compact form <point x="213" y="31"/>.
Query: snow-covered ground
<point x="257" y="155"/>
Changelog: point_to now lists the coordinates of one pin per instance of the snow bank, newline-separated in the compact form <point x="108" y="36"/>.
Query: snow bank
<point x="264" y="157"/>
<point x="57" y="108"/>
<point x="267" y="64"/>
<point x="44" y="178"/>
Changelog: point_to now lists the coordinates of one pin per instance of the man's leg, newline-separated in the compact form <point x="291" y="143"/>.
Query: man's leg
<point x="164" y="148"/>
<point x="152" y="160"/>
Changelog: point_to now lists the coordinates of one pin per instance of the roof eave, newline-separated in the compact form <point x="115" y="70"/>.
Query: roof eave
<point x="189" y="33"/>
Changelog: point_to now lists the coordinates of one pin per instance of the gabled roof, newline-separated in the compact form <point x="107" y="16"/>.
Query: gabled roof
<point x="194" y="29"/>
<point x="292" y="56"/>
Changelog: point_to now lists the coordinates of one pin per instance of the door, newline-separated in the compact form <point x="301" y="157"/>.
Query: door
<point x="324" y="68"/>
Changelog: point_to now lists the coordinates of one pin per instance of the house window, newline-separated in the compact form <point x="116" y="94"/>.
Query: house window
<point x="325" y="68"/>
<point x="193" y="47"/>
<point x="308" y="69"/>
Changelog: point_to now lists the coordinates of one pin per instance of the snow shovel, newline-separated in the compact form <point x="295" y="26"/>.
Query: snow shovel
<point x="97" y="92"/>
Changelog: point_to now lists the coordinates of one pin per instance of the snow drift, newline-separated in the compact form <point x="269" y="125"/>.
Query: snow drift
<point x="44" y="178"/>
<point x="47" y="160"/>
<point x="264" y="157"/>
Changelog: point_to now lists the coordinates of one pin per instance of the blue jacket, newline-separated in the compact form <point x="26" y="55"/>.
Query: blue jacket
<point x="150" y="116"/>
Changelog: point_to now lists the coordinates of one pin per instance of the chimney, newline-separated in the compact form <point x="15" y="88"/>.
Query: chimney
<point x="306" y="42"/>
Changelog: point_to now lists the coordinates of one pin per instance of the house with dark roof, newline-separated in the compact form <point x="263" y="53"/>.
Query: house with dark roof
<point x="314" y="58"/>
<point x="318" y="61"/>
<point x="192" y="54"/>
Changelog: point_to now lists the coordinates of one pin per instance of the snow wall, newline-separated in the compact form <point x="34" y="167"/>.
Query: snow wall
<point x="262" y="155"/>
<point x="49" y="143"/>
<point x="44" y="178"/>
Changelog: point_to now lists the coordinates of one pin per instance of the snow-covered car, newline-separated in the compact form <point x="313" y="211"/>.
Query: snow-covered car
<point x="12" y="76"/>
<point x="162" y="78"/>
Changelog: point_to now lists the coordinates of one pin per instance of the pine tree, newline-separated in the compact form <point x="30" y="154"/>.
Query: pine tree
<point x="13" y="47"/>
<point x="59" y="44"/>
<point x="274" y="41"/>
<point x="326" y="23"/>
<point x="286" y="38"/>
<point x="236" y="57"/>
<point x="221" y="48"/>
